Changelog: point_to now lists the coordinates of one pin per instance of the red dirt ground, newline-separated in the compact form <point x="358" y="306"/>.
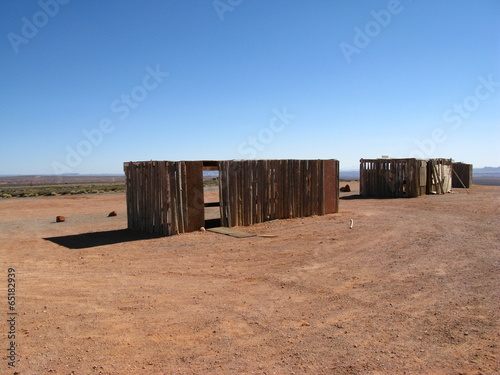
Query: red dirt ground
<point x="412" y="288"/>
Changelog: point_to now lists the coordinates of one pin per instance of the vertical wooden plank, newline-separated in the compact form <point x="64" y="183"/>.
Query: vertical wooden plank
<point x="275" y="171"/>
<point x="283" y="189"/>
<point x="224" y="200"/>
<point x="173" y="197"/>
<point x="135" y="191"/>
<point x="126" y="169"/>
<point x="331" y="186"/>
<point x="178" y="188"/>
<point x="151" y="198"/>
<point x="250" y="194"/>
<point x="194" y="201"/>
<point x="321" y="182"/>
<point x="142" y="201"/>
<point x="264" y="190"/>
<point x="233" y="190"/>
<point x="154" y="199"/>
<point x="314" y="187"/>
<point x="257" y="191"/>
<point x="237" y="195"/>
<point x="279" y="189"/>
<point x="243" y="192"/>
<point x="145" y="216"/>
<point x="306" y="193"/>
<point x="183" y="194"/>
<point x="300" y="188"/>
<point x="161" y="193"/>
<point x="291" y="189"/>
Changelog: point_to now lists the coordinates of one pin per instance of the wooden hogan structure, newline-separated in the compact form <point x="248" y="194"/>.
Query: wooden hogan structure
<point x="462" y="175"/>
<point x="166" y="197"/>
<point x="398" y="178"/>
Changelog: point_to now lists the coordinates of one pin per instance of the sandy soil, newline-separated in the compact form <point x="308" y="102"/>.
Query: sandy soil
<point x="412" y="288"/>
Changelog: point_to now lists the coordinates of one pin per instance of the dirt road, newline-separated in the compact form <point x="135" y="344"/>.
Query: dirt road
<point x="412" y="288"/>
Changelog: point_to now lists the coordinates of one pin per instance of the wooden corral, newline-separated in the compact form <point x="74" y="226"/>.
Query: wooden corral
<point x="392" y="178"/>
<point x="462" y="175"/>
<point x="404" y="178"/>
<point x="165" y="197"/>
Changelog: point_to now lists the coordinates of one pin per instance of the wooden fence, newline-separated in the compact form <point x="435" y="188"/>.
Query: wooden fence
<point x="166" y="198"/>
<point x="462" y="175"/>
<point x="254" y="191"/>
<point x="392" y="178"/>
<point x="438" y="176"/>
<point x="398" y="178"/>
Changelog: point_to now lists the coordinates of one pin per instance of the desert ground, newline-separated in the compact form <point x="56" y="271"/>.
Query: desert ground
<point x="412" y="288"/>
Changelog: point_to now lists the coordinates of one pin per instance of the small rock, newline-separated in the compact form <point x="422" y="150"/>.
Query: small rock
<point x="202" y="229"/>
<point x="346" y="189"/>
<point x="60" y="219"/>
<point x="113" y="213"/>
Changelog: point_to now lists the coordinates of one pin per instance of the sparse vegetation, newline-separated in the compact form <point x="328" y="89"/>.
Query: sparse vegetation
<point x="212" y="181"/>
<point x="21" y="191"/>
<point x="30" y="190"/>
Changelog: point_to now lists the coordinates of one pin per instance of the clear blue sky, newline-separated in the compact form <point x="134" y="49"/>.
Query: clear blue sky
<point x="87" y="85"/>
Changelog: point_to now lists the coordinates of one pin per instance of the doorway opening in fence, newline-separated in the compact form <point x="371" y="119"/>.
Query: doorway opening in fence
<point x="211" y="193"/>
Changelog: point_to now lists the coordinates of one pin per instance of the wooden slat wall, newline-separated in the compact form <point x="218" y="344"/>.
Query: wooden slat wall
<point x="464" y="172"/>
<point x="164" y="197"/>
<point x="391" y="178"/>
<point x="254" y="191"/>
<point x="438" y="176"/>
<point x="396" y="178"/>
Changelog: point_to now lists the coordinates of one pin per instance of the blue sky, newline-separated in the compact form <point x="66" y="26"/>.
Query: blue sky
<point x="87" y="85"/>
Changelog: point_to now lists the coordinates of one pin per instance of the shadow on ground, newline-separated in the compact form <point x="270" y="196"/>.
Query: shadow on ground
<point x="357" y="196"/>
<point x="87" y="240"/>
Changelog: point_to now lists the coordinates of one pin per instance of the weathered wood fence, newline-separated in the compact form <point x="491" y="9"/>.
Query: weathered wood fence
<point x="398" y="178"/>
<point x="462" y="175"/>
<point x="392" y="178"/>
<point x="254" y="191"/>
<point x="438" y="176"/>
<point x="165" y="197"/>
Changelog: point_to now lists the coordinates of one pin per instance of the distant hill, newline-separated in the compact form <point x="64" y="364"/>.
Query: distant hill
<point x="486" y="172"/>
<point x="349" y="175"/>
<point x="64" y="179"/>
<point x="486" y="176"/>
